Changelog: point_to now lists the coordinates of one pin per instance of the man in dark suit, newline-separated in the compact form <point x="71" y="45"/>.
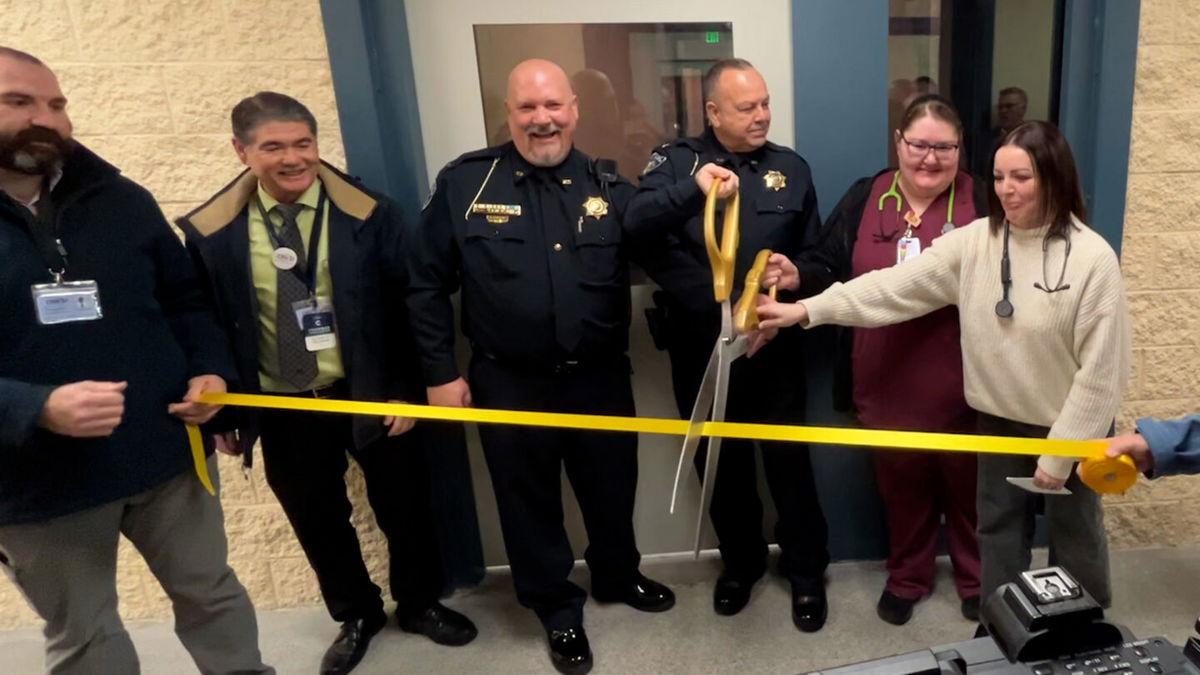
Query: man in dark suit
<point x="306" y="269"/>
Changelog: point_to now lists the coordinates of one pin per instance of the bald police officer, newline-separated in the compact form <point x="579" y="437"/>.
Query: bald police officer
<point x="531" y="232"/>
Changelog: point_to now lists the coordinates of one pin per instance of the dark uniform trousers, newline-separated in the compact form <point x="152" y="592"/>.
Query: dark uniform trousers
<point x="766" y="388"/>
<point x="526" y="465"/>
<point x="304" y="454"/>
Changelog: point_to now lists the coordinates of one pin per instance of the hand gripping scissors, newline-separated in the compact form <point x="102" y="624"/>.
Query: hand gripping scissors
<point x="731" y="344"/>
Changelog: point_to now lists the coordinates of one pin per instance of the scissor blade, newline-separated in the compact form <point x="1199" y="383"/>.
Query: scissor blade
<point x="727" y="353"/>
<point x="700" y="410"/>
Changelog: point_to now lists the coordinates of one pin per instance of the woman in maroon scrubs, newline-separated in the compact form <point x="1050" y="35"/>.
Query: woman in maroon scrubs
<point x="909" y="376"/>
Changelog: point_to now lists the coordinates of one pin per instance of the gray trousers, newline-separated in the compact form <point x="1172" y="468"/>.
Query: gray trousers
<point x="1078" y="541"/>
<point x="66" y="567"/>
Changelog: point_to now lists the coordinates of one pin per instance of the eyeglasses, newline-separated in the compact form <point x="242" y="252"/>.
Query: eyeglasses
<point x="940" y="150"/>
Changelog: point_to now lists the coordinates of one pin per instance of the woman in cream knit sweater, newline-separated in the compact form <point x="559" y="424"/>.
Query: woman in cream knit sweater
<point x="1045" y="343"/>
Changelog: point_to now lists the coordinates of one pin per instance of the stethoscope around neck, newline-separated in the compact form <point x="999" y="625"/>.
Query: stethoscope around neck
<point x="1004" y="308"/>
<point x="894" y="193"/>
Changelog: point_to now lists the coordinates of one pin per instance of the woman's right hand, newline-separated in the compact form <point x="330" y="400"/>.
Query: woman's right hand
<point x="774" y="314"/>
<point x="781" y="272"/>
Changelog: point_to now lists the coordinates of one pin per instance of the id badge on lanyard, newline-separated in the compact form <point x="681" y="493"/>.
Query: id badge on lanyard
<point x="67" y="302"/>
<point x="907" y="248"/>
<point x="316" y="320"/>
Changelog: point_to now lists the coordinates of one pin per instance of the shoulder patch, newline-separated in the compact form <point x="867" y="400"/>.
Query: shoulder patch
<point x="656" y="160"/>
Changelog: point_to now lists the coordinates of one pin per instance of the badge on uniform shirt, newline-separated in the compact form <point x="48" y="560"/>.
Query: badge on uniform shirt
<point x="595" y="207"/>
<point x="496" y="209"/>
<point x="775" y="180"/>
<point x="67" y="302"/>
<point x="656" y="159"/>
<point x="315" y="317"/>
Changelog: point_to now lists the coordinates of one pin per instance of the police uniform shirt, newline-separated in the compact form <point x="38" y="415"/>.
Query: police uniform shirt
<point x="778" y="211"/>
<point x="537" y="253"/>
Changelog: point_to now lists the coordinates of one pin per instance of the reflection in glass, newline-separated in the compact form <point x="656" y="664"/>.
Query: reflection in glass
<point x="998" y="62"/>
<point x="638" y="84"/>
<point x="914" y="59"/>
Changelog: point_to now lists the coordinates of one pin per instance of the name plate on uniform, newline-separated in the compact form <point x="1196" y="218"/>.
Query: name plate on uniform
<point x="496" y="209"/>
<point x="67" y="302"/>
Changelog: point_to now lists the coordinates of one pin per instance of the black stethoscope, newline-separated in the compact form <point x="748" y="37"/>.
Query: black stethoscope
<point x="1004" y="308"/>
<point x="894" y="193"/>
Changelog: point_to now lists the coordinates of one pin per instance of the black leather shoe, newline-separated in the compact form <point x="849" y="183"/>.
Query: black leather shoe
<point x="970" y="608"/>
<point x="809" y="607"/>
<point x="643" y="594"/>
<point x="894" y="609"/>
<point x="440" y="624"/>
<point x="732" y="593"/>
<point x="351" y="645"/>
<point x="570" y="651"/>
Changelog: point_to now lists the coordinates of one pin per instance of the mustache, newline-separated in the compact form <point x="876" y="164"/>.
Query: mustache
<point x="31" y="135"/>
<point x="34" y="150"/>
<point x="550" y="128"/>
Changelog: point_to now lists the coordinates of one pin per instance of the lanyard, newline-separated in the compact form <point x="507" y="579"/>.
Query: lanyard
<point x="43" y="229"/>
<point x="309" y="274"/>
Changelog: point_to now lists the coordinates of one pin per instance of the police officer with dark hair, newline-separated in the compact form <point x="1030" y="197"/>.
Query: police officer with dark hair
<point x="531" y="232"/>
<point x="779" y="212"/>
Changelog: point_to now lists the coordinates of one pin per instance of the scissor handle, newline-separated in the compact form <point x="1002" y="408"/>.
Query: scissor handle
<point x="1109" y="475"/>
<point x="745" y="314"/>
<point x="722" y="257"/>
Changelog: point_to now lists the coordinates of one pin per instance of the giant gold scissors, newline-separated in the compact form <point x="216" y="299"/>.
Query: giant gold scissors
<point x="731" y="344"/>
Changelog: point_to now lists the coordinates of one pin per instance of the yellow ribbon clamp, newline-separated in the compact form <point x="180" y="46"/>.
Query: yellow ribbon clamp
<point x="745" y="314"/>
<point x="722" y="257"/>
<point x="198" y="458"/>
<point x="1100" y="473"/>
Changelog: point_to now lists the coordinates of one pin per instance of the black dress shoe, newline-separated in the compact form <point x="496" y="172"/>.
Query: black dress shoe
<point x="894" y="609"/>
<point x="732" y="592"/>
<point x="809" y="607"/>
<point x="644" y="594"/>
<point x="570" y="651"/>
<point x="970" y="608"/>
<point x="440" y="624"/>
<point x="351" y="645"/>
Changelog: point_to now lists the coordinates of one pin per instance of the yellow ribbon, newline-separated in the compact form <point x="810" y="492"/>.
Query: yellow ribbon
<point x="199" y="459"/>
<point x="1103" y="474"/>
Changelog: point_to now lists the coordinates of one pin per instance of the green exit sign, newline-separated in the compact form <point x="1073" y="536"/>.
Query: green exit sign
<point x="712" y="37"/>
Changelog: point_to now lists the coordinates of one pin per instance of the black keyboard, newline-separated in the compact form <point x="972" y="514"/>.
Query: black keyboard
<point x="1154" y="656"/>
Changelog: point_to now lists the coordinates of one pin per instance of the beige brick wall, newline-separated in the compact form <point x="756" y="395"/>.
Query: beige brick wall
<point x="1161" y="264"/>
<point x="151" y="83"/>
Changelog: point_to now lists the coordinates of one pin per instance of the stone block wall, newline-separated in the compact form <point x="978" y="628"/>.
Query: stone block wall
<point x="1161" y="264"/>
<point x="151" y="83"/>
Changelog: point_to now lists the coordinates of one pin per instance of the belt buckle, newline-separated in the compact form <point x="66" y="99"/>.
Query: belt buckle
<point x="322" y="392"/>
